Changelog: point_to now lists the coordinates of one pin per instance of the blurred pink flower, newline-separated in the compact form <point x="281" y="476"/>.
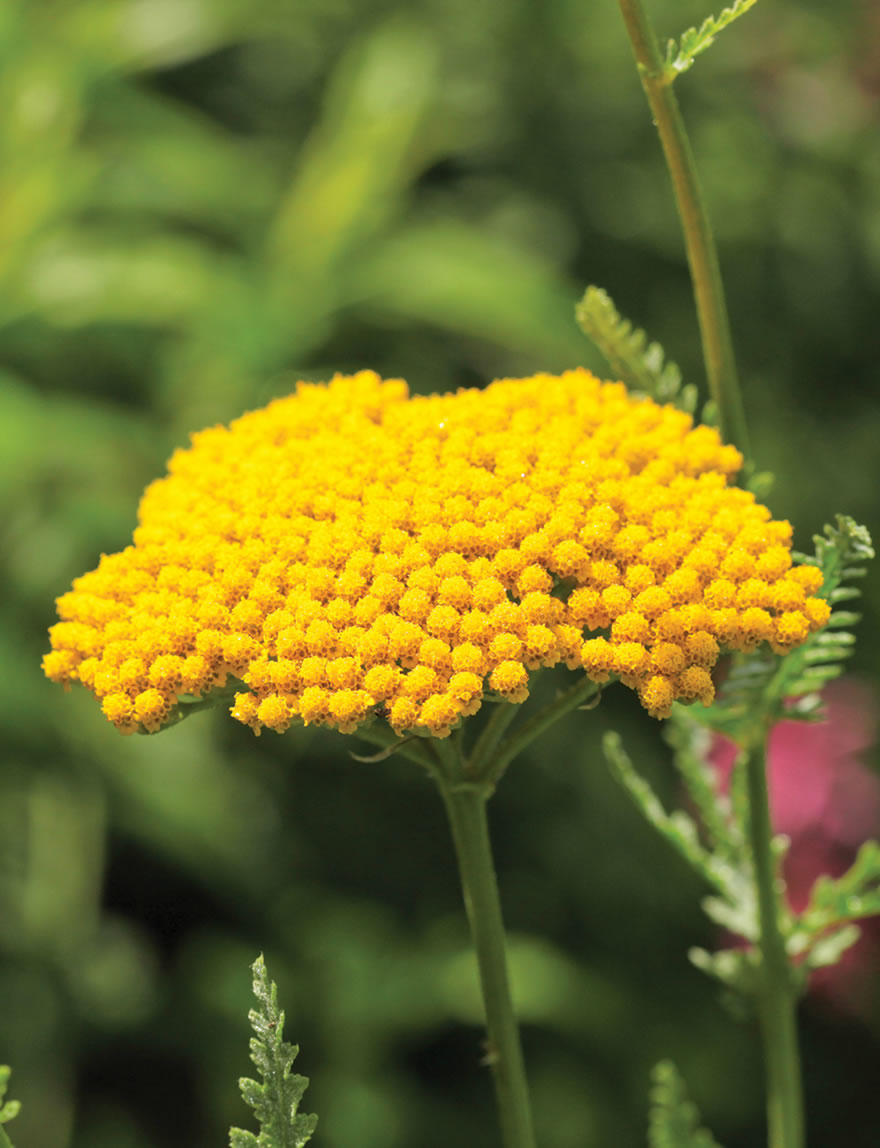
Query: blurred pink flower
<point x="827" y="802"/>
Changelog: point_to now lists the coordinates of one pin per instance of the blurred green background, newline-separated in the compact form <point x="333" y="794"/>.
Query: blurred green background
<point x="202" y="201"/>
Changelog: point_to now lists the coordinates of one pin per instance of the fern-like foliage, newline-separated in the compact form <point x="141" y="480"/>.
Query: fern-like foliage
<point x="638" y="363"/>
<point x="680" y="55"/>
<point x="276" y="1100"/>
<point x="9" y="1109"/>
<point x="760" y="686"/>
<point x="722" y="862"/>
<point x="674" y="1121"/>
<point x="825" y="928"/>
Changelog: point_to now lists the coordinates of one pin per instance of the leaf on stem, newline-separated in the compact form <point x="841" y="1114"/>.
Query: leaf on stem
<point x="690" y="744"/>
<point x="678" y="828"/>
<point x="825" y="928"/>
<point x="276" y="1100"/>
<point x="674" y="1121"/>
<point x="734" y="968"/>
<point x="8" y="1109"/>
<point x="638" y="363"/>
<point x="680" y="55"/>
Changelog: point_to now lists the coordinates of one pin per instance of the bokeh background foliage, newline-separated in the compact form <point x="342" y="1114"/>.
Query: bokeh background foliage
<point x="202" y="201"/>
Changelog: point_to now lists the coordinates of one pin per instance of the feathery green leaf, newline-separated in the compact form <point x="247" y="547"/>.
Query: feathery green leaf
<point x="674" y="1121"/>
<point x="9" y="1109"/>
<point x="734" y="968"/>
<point x="638" y="363"/>
<point x="825" y="928"/>
<point x="690" y="746"/>
<point x="276" y="1100"/>
<point x="680" y="55"/>
<point x="681" y="832"/>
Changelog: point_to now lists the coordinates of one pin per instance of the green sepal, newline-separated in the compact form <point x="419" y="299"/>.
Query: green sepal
<point x="641" y="365"/>
<point x="673" y="1120"/>
<point x="276" y="1100"/>
<point x="681" y="54"/>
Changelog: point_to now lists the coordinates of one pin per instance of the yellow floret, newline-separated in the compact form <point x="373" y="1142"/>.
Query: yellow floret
<point x="810" y="577"/>
<point x="787" y="594"/>
<point x="348" y="708"/>
<point x="668" y="658"/>
<point x="151" y="707"/>
<point x="657" y="695"/>
<point x="791" y="628"/>
<point x="818" y="611"/>
<point x="275" y="712"/>
<point x="439" y="713"/>
<point x="404" y="714"/>
<point x="631" y="658"/>
<point x="119" y="709"/>
<point x="598" y="659"/>
<point x="465" y="686"/>
<point x="511" y="680"/>
<point x="470" y="658"/>
<point x="701" y="648"/>
<point x="695" y="682"/>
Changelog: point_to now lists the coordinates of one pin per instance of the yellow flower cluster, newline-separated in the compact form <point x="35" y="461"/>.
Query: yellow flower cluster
<point x="349" y="551"/>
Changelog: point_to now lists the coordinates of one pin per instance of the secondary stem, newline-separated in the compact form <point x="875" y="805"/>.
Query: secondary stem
<point x="699" y="241"/>
<point x="466" y="807"/>
<point x="785" y="1118"/>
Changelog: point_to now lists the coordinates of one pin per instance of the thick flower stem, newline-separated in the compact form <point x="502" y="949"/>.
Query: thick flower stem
<point x="699" y="241"/>
<point x="778" y="999"/>
<point x="466" y="807"/>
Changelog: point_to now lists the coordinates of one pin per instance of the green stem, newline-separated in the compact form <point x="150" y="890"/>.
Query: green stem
<point x="582" y="692"/>
<point x="785" y="1118"/>
<point x="466" y="807"/>
<point x="490" y="736"/>
<point x="699" y="241"/>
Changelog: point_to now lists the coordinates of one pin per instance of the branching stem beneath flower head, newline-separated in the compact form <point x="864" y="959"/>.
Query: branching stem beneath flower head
<point x="490" y="736"/>
<point x="577" y="695"/>
<point x="466" y="785"/>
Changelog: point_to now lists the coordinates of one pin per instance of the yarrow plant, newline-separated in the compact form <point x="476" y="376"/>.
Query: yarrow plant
<point x="389" y="566"/>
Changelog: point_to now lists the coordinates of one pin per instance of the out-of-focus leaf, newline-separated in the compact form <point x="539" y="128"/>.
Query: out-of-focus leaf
<point x="9" y="1109"/>
<point x="145" y="146"/>
<point x="137" y="34"/>
<point x="361" y="156"/>
<point x="81" y="278"/>
<point x="674" y="1120"/>
<point x="456" y="276"/>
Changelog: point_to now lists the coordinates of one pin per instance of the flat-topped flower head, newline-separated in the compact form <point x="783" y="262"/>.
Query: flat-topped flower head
<point x="350" y="551"/>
